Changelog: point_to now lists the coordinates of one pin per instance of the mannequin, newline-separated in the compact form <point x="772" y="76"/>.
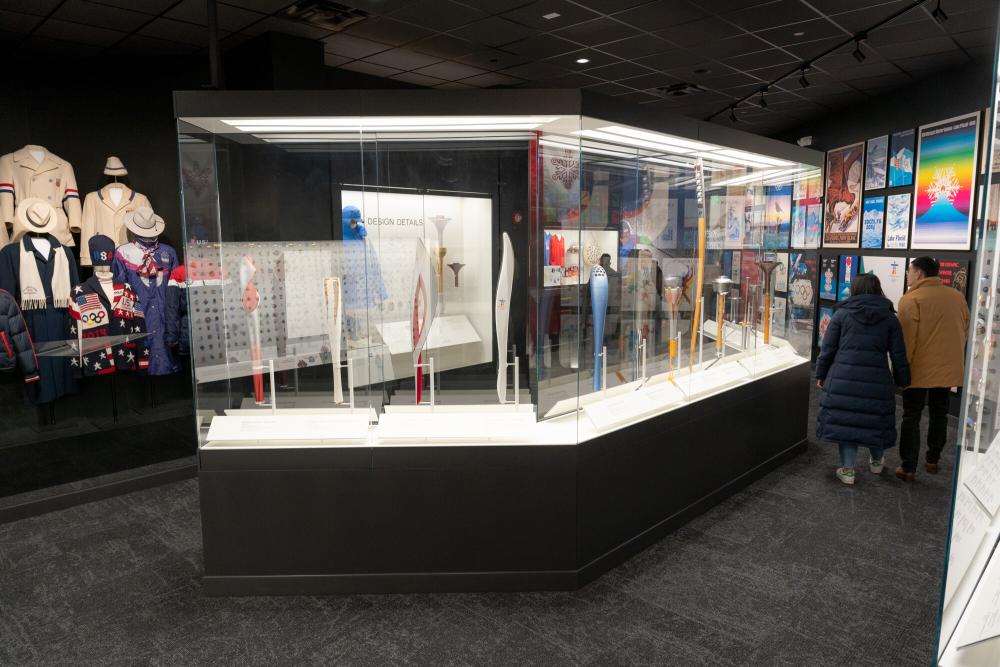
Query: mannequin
<point x="38" y="154"/>
<point x="104" y="210"/>
<point x="41" y="242"/>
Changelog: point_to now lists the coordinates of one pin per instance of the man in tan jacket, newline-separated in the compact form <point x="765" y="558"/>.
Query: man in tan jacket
<point x="935" y="321"/>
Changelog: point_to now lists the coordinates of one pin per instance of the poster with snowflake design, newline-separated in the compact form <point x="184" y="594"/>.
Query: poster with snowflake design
<point x="945" y="184"/>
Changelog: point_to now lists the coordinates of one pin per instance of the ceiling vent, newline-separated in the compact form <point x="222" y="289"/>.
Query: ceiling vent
<point x="324" y="14"/>
<point x="679" y="90"/>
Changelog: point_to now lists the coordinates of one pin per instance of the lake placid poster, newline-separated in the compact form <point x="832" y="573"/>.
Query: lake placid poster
<point x="945" y="182"/>
<point x="897" y="221"/>
<point x="842" y="207"/>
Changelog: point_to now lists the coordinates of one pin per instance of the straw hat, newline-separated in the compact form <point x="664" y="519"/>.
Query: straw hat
<point x="37" y="216"/>
<point x="144" y="222"/>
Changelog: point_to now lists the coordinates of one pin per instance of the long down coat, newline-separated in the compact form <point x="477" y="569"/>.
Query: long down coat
<point x="858" y="404"/>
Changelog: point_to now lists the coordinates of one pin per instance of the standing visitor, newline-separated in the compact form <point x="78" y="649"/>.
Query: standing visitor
<point x="858" y="404"/>
<point x="935" y="321"/>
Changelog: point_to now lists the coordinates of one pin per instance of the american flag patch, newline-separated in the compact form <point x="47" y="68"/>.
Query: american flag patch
<point x="89" y="302"/>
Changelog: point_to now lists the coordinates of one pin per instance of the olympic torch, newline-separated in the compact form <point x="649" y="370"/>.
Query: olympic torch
<point x="251" y="302"/>
<point x="767" y="268"/>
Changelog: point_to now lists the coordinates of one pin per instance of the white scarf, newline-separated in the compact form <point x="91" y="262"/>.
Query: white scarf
<point x="32" y="290"/>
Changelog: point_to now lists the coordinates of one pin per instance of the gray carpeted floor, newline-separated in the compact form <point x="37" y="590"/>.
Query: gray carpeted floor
<point x="795" y="570"/>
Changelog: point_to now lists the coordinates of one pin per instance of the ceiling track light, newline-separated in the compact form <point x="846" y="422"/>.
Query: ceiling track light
<point x="803" y="81"/>
<point x="763" y="102"/>
<point x="858" y="54"/>
<point x="732" y="114"/>
<point x="939" y="14"/>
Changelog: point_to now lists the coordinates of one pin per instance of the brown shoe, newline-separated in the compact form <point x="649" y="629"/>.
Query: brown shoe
<point x="905" y="475"/>
<point x="933" y="468"/>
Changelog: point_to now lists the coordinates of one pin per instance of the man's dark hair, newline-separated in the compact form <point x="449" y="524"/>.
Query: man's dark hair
<point x="927" y="265"/>
<point x="866" y="283"/>
<point x="604" y="255"/>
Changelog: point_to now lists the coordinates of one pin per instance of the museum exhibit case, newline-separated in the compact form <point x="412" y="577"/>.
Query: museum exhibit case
<point x="969" y="623"/>
<point x="502" y="339"/>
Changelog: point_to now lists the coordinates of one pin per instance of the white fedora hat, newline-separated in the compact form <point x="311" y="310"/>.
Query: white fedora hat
<point x="115" y="167"/>
<point x="144" y="222"/>
<point x="37" y="216"/>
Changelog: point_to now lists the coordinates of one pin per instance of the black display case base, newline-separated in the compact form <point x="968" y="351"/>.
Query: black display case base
<point x="394" y="519"/>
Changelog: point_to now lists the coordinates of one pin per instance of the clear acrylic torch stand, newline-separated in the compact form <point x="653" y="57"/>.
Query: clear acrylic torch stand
<point x="430" y="366"/>
<point x="273" y="404"/>
<point x="349" y="365"/>
<point x="517" y="377"/>
<point x="640" y="361"/>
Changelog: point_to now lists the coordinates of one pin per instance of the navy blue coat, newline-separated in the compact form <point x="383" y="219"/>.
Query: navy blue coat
<point x="858" y="404"/>
<point x="16" y="348"/>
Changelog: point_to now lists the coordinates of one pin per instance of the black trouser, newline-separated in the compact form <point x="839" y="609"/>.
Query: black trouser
<point x="914" y="399"/>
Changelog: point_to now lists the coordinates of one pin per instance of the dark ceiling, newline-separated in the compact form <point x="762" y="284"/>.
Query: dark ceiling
<point x="729" y="48"/>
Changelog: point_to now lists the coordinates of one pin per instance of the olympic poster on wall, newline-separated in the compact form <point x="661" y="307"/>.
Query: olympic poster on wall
<point x="807" y="213"/>
<point x="842" y="207"/>
<point x="945" y="182"/>
<point x="872" y="222"/>
<point x="825" y="315"/>
<point x="848" y="270"/>
<point x="878" y="149"/>
<point x="828" y="279"/>
<point x="901" y="159"/>
<point x="897" y="221"/>
<point x="778" y="216"/>
<point x="891" y="273"/>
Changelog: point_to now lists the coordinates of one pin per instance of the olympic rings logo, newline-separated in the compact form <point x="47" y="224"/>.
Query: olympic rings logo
<point x="94" y="317"/>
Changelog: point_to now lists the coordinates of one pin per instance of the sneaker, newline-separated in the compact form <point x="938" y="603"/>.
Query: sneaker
<point x="905" y="475"/>
<point x="876" y="465"/>
<point x="846" y="475"/>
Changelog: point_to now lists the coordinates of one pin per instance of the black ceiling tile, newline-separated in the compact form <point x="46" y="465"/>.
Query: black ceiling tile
<point x="455" y="85"/>
<point x="74" y="32"/>
<point x="492" y="59"/>
<point x="18" y="23"/>
<point x="797" y="33"/>
<point x="575" y="80"/>
<point x="638" y="97"/>
<point x="450" y="71"/>
<point x="661" y="14"/>
<point x="727" y="6"/>
<point x="113" y="18"/>
<point x="493" y="31"/>
<point x="809" y="50"/>
<point x="438" y="14"/>
<point x="838" y="6"/>
<point x="971" y="20"/>
<point x="610" y="6"/>
<point x="864" y="18"/>
<point x="609" y="88"/>
<point x="671" y="59"/>
<point x="329" y="59"/>
<point x="768" y="74"/>
<point x="618" y="71"/>
<point x="352" y="47"/>
<point x="196" y="11"/>
<point x="144" y="6"/>
<point x="843" y="59"/>
<point x="648" y="81"/>
<point x="760" y="59"/>
<point x="370" y="6"/>
<point x="771" y="15"/>
<point x="419" y="79"/>
<point x="535" y="71"/>
<point x="370" y="68"/>
<point x="636" y="47"/>
<point x="533" y="14"/>
<point x="593" y="58"/>
<point x="387" y="30"/>
<point x="285" y="27"/>
<point x="974" y="38"/>
<point x="402" y="58"/>
<point x="492" y="80"/>
<point x="922" y="65"/>
<point x="730" y="47"/>
<point x="866" y="69"/>
<point x="597" y="31"/>
<point x="926" y="28"/>
<point x="699" y="31"/>
<point x="882" y="81"/>
<point x="942" y="44"/>
<point x="728" y="81"/>
<point x="542" y="46"/>
<point x="444" y="46"/>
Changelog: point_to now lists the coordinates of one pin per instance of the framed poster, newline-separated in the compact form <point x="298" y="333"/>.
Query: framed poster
<point x="781" y="273"/>
<point x="945" y="184"/>
<point x="842" y="208"/>
<point x="806" y="213"/>
<point x="734" y="222"/>
<point x="897" y="221"/>
<point x="828" y="278"/>
<point x="848" y="269"/>
<point x="901" y="159"/>
<point x="814" y="225"/>
<point x="777" y="216"/>
<point x="825" y="315"/>
<point x="715" y="227"/>
<point x="872" y="221"/>
<point x="891" y="273"/>
<point x="875" y="160"/>
<point x="798" y="225"/>
<point x="801" y="297"/>
<point x="955" y="273"/>
<point x="737" y="261"/>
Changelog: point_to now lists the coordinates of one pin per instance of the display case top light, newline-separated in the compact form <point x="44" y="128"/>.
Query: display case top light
<point x="343" y="124"/>
<point x="665" y="143"/>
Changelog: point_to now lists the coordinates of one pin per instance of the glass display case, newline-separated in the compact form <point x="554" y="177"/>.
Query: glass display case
<point x="529" y="278"/>
<point x="370" y="271"/>
<point x="969" y="632"/>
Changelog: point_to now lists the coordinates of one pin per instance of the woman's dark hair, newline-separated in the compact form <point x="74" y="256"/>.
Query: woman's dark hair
<point x="866" y="283"/>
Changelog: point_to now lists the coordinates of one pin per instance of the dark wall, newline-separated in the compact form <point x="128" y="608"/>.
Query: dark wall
<point x="949" y="93"/>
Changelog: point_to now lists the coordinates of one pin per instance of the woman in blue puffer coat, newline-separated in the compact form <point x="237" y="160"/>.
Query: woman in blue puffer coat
<point x="858" y="404"/>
